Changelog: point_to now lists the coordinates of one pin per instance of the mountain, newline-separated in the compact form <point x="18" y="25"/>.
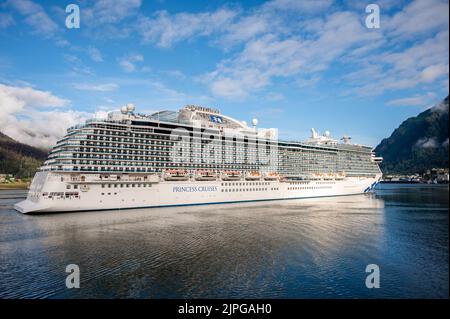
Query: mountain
<point x="19" y="159"/>
<point x="418" y="144"/>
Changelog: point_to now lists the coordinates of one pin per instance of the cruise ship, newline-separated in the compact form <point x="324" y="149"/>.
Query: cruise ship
<point x="192" y="156"/>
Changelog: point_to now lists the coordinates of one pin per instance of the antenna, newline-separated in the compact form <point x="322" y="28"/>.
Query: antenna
<point x="346" y="139"/>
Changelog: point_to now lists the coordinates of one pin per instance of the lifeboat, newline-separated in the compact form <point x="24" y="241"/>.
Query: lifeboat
<point x="231" y="175"/>
<point x="252" y="176"/>
<point x="271" y="176"/>
<point x="176" y="175"/>
<point x="317" y="176"/>
<point x="329" y="176"/>
<point x="204" y="175"/>
<point x="340" y="175"/>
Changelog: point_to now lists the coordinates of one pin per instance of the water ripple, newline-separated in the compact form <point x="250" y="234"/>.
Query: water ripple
<point x="314" y="248"/>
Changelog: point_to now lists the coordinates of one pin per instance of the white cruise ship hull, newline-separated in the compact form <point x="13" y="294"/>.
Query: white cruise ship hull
<point x="56" y="192"/>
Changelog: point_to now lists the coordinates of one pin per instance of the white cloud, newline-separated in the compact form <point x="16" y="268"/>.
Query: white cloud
<point x="6" y="20"/>
<point x="62" y="42"/>
<point x="270" y="56"/>
<point x="268" y="112"/>
<point x="422" y="54"/>
<point x="419" y="17"/>
<point x="275" y="96"/>
<point x="385" y="5"/>
<point x="96" y="87"/>
<point x="230" y="24"/>
<point x="433" y="72"/>
<point x="407" y="67"/>
<point x="35" y="16"/>
<point x="169" y="94"/>
<point x="21" y="118"/>
<point x="27" y="97"/>
<point x="302" y="39"/>
<point x="72" y="58"/>
<point x="308" y="82"/>
<point x="445" y="143"/>
<point x="175" y="74"/>
<point x="296" y="39"/>
<point x="247" y="28"/>
<point x="167" y="97"/>
<point x="426" y="142"/>
<point x="95" y="54"/>
<point x="77" y="65"/>
<point x="235" y="83"/>
<point x="302" y="6"/>
<point x="165" y="30"/>
<point x="417" y="100"/>
<point x="400" y="63"/>
<point x="129" y="62"/>
<point x="42" y="129"/>
<point x="441" y="107"/>
<point x="110" y="11"/>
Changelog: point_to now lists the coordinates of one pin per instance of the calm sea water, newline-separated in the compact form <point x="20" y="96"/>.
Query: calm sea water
<point x="311" y="248"/>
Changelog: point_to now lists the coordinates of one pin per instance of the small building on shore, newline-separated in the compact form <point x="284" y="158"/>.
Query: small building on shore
<point x="431" y="176"/>
<point x="7" y="178"/>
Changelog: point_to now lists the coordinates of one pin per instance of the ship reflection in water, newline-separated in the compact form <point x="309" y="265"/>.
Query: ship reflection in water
<point x="310" y="248"/>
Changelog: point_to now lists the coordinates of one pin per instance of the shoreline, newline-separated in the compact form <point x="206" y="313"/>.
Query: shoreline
<point x="410" y="183"/>
<point x="21" y="186"/>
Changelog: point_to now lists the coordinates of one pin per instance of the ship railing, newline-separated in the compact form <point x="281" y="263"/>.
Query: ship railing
<point x="97" y="180"/>
<point x="56" y="156"/>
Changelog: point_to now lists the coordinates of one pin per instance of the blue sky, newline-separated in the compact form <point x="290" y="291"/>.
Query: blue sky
<point x="292" y="64"/>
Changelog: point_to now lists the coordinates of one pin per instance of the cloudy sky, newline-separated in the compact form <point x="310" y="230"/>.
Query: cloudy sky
<point x="293" y="64"/>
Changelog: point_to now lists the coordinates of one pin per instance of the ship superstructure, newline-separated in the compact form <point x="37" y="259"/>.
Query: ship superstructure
<point x="195" y="155"/>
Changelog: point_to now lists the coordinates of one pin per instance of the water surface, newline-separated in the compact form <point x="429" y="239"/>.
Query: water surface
<point x="309" y="248"/>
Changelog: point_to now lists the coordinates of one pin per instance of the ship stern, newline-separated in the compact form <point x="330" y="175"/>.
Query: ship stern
<point x="32" y="203"/>
<point x="27" y="206"/>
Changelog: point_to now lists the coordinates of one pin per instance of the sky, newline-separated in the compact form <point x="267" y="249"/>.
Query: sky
<point x="292" y="64"/>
